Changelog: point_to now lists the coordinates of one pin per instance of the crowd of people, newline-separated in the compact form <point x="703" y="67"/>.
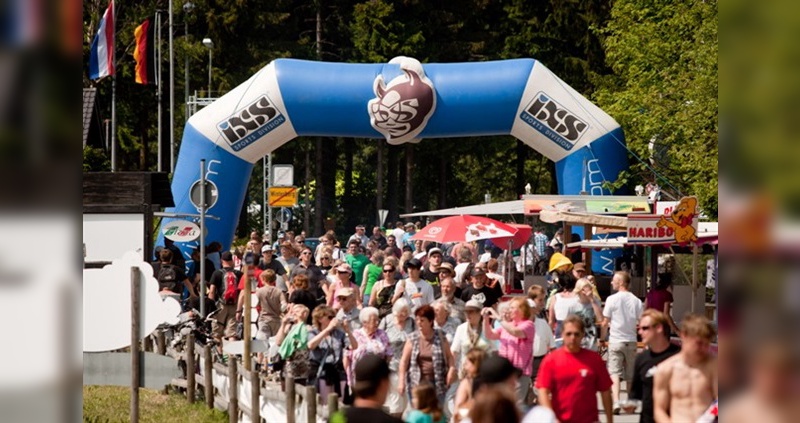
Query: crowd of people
<point x="419" y="332"/>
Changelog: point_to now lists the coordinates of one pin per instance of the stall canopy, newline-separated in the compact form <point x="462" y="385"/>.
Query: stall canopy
<point x="707" y="233"/>
<point x="535" y="204"/>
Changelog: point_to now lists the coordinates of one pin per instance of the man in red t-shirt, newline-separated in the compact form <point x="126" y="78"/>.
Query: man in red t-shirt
<point x="574" y="375"/>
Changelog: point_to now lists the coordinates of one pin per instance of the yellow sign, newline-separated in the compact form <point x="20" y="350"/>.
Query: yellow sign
<point x="282" y="196"/>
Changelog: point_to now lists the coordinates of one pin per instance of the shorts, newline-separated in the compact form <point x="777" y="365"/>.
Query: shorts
<point x="267" y="330"/>
<point x="621" y="357"/>
<point x="395" y="403"/>
<point x="225" y="324"/>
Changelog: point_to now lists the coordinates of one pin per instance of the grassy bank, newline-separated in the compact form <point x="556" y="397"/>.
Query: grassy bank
<point x="107" y="404"/>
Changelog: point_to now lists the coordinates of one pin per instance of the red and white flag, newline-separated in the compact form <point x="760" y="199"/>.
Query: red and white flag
<point x="101" y="55"/>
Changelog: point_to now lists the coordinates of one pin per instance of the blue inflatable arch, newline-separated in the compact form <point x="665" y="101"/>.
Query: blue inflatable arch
<point x="402" y="101"/>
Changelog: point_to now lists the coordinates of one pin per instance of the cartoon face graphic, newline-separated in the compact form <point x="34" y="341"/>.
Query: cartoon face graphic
<point x="400" y="110"/>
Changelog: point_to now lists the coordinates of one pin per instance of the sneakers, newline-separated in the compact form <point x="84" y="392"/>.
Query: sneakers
<point x="616" y="409"/>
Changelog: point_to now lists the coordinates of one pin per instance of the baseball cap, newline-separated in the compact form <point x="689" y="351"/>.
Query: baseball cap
<point x="281" y="235"/>
<point x="579" y="266"/>
<point x="435" y="250"/>
<point x="409" y="225"/>
<point x="344" y="292"/>
<point x="266" y="248"/>
<point x="496" y="369"/>
<point x="344" y="267"/>
<point x="445" y="266"/>
<point x="473" y="304"/>
<point x="415" y="263"/>
<point x="226" y="256"/>
<point x="371" y="368"/>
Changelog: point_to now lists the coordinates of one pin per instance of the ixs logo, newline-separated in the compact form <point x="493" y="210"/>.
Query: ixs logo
<point x="554" y="121"/>
<point x="251" y="123"/>
<point x="401" y="109"/>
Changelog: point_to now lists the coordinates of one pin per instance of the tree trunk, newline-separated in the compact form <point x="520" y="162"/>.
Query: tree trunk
<point x="443" y="165"/>
<point x="319" y="194"/>
<point x="306" y="205"/>
<point x="409" y="178"/>
<point x="551" y="168"/>
<point x="379" y="179"/>
<point x="391" y="182"/>
<point x="522" y="155"/>
<point x="347" y="201"/>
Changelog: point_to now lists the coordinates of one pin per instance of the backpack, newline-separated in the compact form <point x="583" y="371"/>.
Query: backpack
<point x="167" y="277"/>
<point x="231" y="285"/>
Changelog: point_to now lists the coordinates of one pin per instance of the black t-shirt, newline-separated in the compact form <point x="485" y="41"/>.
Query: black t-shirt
<point x="487" y="296"/>
<point x="643" y="374"/>
<point x="367" y="415"/>
<point x="218" y="280"/>
<point x="306" y="298"/>
<point x="433" y="278"/>
<point x="314" y="274"/>
<point x="274" y="265"/>
<point x="196" y="269"/>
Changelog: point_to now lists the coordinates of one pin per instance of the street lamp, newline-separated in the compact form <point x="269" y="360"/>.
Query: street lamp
<point x="210" y="46"/>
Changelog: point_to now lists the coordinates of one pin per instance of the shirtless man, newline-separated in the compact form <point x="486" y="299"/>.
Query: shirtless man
<point x="686" y="383"/>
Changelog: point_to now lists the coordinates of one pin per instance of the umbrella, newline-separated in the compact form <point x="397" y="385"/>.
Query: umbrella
<point x="464" y="228"/>
<point x="519" y="239"/>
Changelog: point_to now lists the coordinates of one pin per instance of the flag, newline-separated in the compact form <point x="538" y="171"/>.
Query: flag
<point x="144" y="53"/>
<point x="101" y="55"/>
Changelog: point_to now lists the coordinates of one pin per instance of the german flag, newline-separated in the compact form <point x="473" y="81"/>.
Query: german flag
<point x="144" y="53"/>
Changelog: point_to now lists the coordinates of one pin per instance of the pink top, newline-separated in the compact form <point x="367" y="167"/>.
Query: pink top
<point x="336" y="286"/>
<point x="519" y="351"/>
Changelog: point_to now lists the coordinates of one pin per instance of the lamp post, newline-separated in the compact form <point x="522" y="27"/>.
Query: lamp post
<point x="210" y="46"/>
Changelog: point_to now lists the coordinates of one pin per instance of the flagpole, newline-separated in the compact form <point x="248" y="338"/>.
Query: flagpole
<point x="171" y="96"/>
<point x="158" y="88"/>
<point x="114" y="89"/>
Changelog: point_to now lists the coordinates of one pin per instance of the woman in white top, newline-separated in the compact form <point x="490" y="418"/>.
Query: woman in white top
<point x="470" y="334"/>
<point x="564" y="303"/>
<point x="589" y="310"/>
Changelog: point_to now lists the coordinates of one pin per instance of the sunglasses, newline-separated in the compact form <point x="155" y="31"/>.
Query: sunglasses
<point x="388" y="270"/>
<point x="326" y="258"/>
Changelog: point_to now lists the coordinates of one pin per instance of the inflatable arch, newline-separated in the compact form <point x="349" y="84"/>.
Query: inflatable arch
<point x="402" y="101"/>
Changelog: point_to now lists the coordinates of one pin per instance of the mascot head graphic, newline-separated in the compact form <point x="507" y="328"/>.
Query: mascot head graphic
<point x="401" y="108"/>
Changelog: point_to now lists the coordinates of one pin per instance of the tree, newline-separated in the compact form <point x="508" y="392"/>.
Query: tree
<point x="664" y="91"/>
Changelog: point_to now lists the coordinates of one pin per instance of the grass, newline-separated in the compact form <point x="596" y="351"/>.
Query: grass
<point x="110" y="404"/>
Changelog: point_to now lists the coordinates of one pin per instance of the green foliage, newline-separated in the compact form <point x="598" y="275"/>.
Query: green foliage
<point x="664" y="87"/>
<point x="95" y="160"/>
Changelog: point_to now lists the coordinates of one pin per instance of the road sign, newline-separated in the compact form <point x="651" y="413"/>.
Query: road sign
<point x="212" y="194"/>
<point x="382" y="216"/>
<point x="282" y="196"/>
<point x="282" y="175"/>
<point x="285" y="215"/>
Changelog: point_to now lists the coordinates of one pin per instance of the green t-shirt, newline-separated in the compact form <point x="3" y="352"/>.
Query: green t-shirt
<point x="374" y="273"/>
<point x="358" y="262"/>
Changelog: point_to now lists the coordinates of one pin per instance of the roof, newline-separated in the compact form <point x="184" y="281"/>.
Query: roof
<point x="89" y="95"/>
<point x="534" y="204"/>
